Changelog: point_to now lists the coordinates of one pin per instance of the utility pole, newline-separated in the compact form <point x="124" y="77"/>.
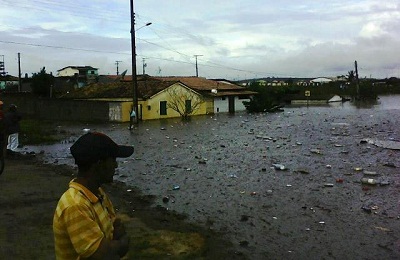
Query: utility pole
<point x="19" y="72"/>
<point x="2" y="67"/>
<point x="357" y="80"/>
<point x="116" y="63"/>
<point x="197" y="69"/>
<point x="134" y="76"/>
<point x="144" y="66"/>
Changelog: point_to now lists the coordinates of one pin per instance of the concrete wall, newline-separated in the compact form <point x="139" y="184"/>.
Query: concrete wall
<point x="59" y="109"/>
<point x="221" y="104"/>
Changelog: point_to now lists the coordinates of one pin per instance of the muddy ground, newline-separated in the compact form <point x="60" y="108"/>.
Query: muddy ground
<point x="218" y="172"/>
<point x="28" y="197"/>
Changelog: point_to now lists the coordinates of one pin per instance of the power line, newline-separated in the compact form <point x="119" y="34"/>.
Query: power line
<point x="87" y="12"/>
<point x="60" y="47"/>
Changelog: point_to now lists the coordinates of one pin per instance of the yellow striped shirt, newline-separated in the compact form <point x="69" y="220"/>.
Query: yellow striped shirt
<point x="80" y="222"/>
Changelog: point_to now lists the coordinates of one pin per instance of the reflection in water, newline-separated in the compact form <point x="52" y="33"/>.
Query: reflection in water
<point x="365" y="104"/>
<point x="387" y="102"/>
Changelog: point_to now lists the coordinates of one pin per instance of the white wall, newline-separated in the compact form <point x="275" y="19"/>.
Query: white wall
<point x="221" y="105"/>
<point x="67" y="72"/>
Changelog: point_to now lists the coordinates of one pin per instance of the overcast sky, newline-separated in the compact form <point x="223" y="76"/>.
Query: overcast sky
<point x="233" y="39"/>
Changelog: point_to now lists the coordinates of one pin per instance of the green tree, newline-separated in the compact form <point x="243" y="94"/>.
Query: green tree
<point x="42" y="83"/>
<point x="268" y="99"/>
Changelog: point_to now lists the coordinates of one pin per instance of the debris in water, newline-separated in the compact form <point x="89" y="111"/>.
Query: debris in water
<point x="368" y="181"/>
<point x="279" y="167"/>
<point x="394" y="145"/>
<point x="315" y="151"/>
<point x="370" y="173"/>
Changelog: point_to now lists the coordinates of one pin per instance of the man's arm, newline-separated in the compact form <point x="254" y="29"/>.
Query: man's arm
<point x="111" y="249"/>
<point x="116" y="248"/>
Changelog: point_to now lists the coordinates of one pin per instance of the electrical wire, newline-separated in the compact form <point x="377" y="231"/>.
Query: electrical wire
<point x="90" y="12"/>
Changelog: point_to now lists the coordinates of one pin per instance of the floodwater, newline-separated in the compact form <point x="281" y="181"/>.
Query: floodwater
<point x="219" y="171"/>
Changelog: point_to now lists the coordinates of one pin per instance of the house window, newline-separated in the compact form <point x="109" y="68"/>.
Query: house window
<point x="163" y="108"/>
<point x="188" y="106"/>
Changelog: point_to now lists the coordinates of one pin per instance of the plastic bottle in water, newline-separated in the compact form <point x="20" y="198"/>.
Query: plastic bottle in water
<point x="368" y="181"/>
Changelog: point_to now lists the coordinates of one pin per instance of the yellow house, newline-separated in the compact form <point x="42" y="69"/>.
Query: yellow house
<point x="177" y="100"/>
<point x="159" y="97"/>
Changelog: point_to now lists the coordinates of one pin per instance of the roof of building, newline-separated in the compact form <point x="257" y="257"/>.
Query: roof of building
<point x="149" y="86"/>
<point x="119" y="89"/>
<point x="8" y="78"/>
<point x="199" y="83"/>
<point x="320" y="80"/>
<point x="79" y="68"/>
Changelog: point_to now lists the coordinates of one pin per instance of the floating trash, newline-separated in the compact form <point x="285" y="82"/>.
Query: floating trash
<point x="394" y="145"/>
<point x="315" y="151"/>
<point x="384" y="183"/>
<point x="202" y="161"/>
<point x="370" y="173"/>
<point x="165" y="199"/>
<point x="389" y="164"/>
<point x="383" y="229"/>
<point x="279" y="167"/>
<point x="302" y="171"/>
<point x="368" y="181"/>
<point x="328" y="185"/>
<point x="176" y="187"/>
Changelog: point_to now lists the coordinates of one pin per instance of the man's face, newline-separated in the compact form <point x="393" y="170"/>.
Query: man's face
<point x="106" y="169"/>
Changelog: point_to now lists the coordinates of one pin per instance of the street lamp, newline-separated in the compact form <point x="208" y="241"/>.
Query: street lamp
<point x="134" y="76"/>
<point x="147" y="24"/>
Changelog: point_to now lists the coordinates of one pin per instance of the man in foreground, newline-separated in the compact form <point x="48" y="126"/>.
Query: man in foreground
<point x="84" y="223"/>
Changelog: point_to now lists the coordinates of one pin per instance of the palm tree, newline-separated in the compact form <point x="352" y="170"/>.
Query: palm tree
<point x="351" y="76"/>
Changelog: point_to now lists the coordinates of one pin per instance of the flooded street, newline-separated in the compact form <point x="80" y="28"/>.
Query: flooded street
<point x="279" y="186"/>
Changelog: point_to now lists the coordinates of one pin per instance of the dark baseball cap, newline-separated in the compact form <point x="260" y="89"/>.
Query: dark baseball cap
<point x="95" y="146"/>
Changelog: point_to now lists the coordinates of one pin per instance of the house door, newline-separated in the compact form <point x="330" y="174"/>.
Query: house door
<point x="231" y="104"/>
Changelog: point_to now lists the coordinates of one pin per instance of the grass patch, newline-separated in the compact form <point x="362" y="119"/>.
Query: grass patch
<point x="35" y="132"/>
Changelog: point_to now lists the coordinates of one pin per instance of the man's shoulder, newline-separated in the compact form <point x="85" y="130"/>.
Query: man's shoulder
<point x="72" y="197"/>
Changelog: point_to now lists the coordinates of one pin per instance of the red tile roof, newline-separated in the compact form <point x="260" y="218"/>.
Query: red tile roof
<point x="148" y="86"/>
<point x="199" y="83"/>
